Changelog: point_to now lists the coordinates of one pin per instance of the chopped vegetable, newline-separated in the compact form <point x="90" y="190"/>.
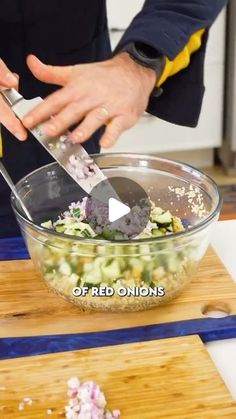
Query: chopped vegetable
<point x="76" y="222"/>
<point x="124" y="265"/>
<point x="87" y="401"/>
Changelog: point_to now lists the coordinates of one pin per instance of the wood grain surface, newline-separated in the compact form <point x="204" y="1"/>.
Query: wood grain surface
<point x="28" y="308"/>
<point x="169" y="378"/>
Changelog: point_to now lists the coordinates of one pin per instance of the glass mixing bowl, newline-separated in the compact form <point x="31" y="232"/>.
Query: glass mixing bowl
<point x="137" y="274"/>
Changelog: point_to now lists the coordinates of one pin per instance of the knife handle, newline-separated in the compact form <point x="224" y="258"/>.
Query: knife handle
<point x="11" y="96"/>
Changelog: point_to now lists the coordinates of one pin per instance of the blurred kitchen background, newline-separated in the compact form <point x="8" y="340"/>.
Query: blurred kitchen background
<point x="212" y="145"/>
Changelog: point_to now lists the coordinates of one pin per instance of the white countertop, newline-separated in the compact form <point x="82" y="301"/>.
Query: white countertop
<point x="223" y="352"/>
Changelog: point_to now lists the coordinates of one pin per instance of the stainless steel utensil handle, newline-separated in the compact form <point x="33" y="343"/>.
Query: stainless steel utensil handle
<point x="13" y="189"/>
<point x="11" y="96"/>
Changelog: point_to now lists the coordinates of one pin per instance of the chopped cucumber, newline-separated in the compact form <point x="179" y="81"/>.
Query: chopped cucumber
<point x="64" y="268"/>
<point x="172" y="263"/>
<point x="78" y="262"/>
<point x="91" y="277"/>
<point x="155" y="212"/>
<point x="164" y="220"/>
<point x="145" y="253"/>
<point x="157" y="233"/>
<point x="47" y="224"/>
<point x="60" y="228"/>
<point x="111" y="234"/>
<point x="110" y="270"/>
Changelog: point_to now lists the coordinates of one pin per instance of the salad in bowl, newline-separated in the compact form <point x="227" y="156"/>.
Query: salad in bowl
<point x="104" y="266"/>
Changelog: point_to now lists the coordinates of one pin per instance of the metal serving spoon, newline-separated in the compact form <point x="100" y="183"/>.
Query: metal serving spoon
<point x="7" y="178"/>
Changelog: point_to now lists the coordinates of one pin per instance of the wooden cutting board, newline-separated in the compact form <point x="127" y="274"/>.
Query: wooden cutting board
<point x="169" y="378"/>
<point x="28" y="308"/>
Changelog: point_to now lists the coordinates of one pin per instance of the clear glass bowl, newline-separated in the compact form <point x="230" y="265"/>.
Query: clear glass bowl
<point x="141" y="267"/>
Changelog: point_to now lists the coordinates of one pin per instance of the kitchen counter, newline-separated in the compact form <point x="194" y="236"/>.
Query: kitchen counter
<point x="223" y="352"/>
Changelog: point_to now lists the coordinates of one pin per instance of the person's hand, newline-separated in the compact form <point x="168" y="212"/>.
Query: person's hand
<point x="7" y="117"/>
<point x="114" y="93"/>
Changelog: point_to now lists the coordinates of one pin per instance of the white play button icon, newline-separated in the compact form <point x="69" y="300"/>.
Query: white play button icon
<point x="123" y="215"/>
<point x="117" y="209"/>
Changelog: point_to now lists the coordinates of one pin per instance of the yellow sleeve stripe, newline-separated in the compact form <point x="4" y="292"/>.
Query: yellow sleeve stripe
<point x="182" y="60"/>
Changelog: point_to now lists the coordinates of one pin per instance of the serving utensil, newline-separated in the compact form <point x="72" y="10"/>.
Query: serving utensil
<point x="10" y="183"/>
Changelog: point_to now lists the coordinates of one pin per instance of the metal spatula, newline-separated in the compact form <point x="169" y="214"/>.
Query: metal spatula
<point x="10" y="183"/>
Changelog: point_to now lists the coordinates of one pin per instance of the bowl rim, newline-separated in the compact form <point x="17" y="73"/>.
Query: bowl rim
<point x="186" y="233"/>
